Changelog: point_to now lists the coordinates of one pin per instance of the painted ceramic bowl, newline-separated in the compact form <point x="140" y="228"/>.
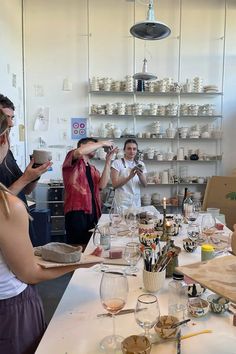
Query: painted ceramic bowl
<point x="163" y="327"/>
<point x="198" y="307"/>
<point x="195" y="290"/>
<point x="189" y="245"/>
<point x="218" y="304"/>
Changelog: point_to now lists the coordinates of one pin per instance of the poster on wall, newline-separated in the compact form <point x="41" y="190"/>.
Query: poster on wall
<point x="78" y="128"/>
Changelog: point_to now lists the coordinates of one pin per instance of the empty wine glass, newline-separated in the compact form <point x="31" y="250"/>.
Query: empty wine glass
<point x="147" y="313"/>
<point x="132" y="255"/>
<point x="193" y="231"/>
<point x="113" y="295"/>
<point x="208" y="225"/>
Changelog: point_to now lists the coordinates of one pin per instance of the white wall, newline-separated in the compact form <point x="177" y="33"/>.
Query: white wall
<point x="11" y="69"/>
<point x="57" y="46"/>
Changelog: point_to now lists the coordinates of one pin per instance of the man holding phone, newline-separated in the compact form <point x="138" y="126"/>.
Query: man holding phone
<point x="83" y="183"/>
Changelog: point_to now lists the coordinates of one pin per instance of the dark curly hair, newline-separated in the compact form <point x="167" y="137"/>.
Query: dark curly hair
<point x="5" y="102"/>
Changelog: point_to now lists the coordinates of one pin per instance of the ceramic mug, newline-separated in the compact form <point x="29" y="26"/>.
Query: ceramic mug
<point x="41" y="156"/>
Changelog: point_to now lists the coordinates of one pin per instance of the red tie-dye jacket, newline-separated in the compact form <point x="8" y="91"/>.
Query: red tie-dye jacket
<point x="77" y="191"/>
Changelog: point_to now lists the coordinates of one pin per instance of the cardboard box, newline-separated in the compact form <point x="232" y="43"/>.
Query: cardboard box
<point x="221" y="193"/>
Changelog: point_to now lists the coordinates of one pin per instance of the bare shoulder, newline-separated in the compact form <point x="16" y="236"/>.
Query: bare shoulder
<point x="16" y="206"/>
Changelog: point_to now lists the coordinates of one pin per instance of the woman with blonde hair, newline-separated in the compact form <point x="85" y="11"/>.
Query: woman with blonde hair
<point x="21" y="313"/>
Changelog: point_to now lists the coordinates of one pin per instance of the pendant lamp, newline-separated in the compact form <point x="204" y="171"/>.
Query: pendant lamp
<point x="150" y="29"/>
<point x="144" y="75"/>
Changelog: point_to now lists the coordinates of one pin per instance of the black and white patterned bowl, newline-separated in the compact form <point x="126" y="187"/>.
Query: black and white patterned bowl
<point x="189" y="245"/>
<point x="195" y="290"/>
<point x="218" y="304"/>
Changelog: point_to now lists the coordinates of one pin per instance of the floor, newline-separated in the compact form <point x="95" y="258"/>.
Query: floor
<point x="51" y="292"/>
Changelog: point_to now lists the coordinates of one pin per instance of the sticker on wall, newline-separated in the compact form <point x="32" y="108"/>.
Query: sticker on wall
<point x="78" y="128"/>
<point x="42" y="119"/>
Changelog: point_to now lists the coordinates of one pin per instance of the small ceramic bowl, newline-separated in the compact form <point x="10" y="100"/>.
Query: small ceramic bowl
<point x="198" y="307"/>
<point x="136" y="344"/>
<point x="61" y="252"/>
<point x="189" y="245"/>
<point x="163" y="327"/>
<point x="218" y="304"/>
<point x="195" y="290"/>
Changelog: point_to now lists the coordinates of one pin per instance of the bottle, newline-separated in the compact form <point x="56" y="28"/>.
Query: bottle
<point x="207" y="252"/>
<point x="177" y="296"/>
<point x="185" y="196"/>
<point x="187" y="206"/>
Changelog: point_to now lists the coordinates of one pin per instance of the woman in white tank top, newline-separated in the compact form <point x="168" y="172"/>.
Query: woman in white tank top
<point x="21" y="315"/>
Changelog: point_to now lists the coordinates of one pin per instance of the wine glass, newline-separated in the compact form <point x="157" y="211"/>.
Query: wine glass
<point x="193" y="231"/>
<point x="132" y="255"/>
<point x="208" y="225"/>
<point x="193" y="215"/>
<point x="113" y="295"/>
<point x="147" y="313"/>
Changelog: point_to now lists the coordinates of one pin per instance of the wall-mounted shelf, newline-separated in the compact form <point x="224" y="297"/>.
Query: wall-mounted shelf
<point x="183" y="105"/>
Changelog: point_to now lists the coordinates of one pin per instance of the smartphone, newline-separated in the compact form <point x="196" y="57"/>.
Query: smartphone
<point x="107" y="148"/>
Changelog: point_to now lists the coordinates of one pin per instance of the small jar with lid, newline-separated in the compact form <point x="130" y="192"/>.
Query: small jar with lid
<point x="207" y="252"/>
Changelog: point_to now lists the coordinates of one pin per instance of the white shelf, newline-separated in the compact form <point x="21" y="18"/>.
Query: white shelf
<point x="147" y="93"/>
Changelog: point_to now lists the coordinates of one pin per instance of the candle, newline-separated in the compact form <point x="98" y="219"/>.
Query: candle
<point x="164" y="203"/>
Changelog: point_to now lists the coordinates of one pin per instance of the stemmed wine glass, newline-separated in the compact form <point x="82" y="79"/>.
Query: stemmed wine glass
<point x="132" y="255"/>
<point x="113" y="295"/>
<point x="208" y="225"/>
<point x="196" y="208"/>
<point x="147" y="313"/>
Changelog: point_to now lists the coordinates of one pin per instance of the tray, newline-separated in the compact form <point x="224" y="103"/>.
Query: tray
<point x="85" y="260"/>
<point x="218" y="275"/>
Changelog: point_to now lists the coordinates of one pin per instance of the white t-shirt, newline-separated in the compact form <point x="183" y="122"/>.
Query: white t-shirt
<point x="129" y="194"/>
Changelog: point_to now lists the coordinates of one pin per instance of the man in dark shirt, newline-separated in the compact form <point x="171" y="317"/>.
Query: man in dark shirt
<point x="18" y="182"/>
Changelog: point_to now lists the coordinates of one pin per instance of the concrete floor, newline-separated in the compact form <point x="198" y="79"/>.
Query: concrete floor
<point x="51" y="292"/>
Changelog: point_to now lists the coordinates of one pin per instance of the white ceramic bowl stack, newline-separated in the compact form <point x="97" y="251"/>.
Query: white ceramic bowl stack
<point x="129" y="83"/>
<point x="197" y="84"/>
<point x="145" y="200"/>
<point x="94" y="84"/>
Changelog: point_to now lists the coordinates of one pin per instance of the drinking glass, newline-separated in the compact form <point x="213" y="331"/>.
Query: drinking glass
<point x="195" y="212"/>
<point x="101" y="238"/>
<point x="208" y="225"/>
<point x="147" y="313"/>
<point x="132" y="255"/>
<point x="193" y="231"/>
<point x="131" y="221"/>
<point x="115" y="216"/>
<point x="113" y="295"/>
